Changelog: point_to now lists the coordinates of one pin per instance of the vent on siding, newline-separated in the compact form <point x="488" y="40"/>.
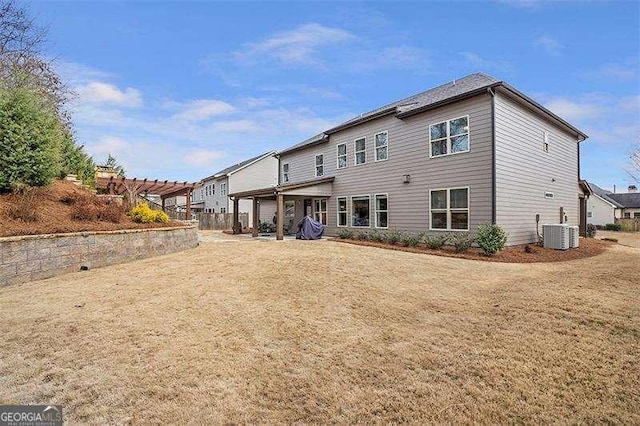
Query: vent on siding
<point x="548" y="195"/>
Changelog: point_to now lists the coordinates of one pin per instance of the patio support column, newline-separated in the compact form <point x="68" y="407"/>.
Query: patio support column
<point x="280" y="218"/>
<point x="187" y="215"/>
<point x="256" y="216"/>
<point x="237" y="226"/>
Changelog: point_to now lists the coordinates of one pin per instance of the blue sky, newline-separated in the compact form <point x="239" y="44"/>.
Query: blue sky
<point x="178" y="90"/>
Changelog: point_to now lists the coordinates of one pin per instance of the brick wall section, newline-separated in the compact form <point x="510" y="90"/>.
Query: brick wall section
<point x="33" y="257"/>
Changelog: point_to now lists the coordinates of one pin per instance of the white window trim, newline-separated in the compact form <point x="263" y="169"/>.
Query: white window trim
<point x="355" y="151"/>
<point x="326" y="211"/>
<point x="315" y="164"/>
<point x="448" y="138"/>
<point x="375" y="210"/>
<point x="346" y="203"/>
<point x="285" y="173"/>
<point x="346" y="156"/>
<point x="375" y="148"/>
<point x="350" y="221"/>
<point x="448" y="209"/>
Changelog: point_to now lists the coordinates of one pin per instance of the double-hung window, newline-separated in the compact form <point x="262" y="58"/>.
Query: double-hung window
<point x="319" y="165"/>
<point x="450" y="209"/>
<point x="381" y="145"/>
<point x="360" y="211"/>
<point x="320" y="211"/>
<point x="342" y="155"/>
<point x="285" y="172"/>
<point x="342" y="211"/>
<point x="213" y="189"/>
<point x="223" y="189"/>
<point x="449" y="137"/>
<point x="360" y="153"/>
<point x="382" y="211"/>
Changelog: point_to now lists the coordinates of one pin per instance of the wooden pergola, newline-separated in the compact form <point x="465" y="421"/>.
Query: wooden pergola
<point x="135" y="186"/>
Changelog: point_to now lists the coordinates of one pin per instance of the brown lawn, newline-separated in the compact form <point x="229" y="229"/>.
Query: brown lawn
<point x="265" y="331"/>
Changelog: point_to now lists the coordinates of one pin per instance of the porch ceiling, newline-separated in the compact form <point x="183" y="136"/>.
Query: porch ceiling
<point x="321" y="187"/>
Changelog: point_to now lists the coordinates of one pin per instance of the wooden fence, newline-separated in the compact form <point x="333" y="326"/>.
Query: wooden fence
<point x="629" y="225"/>
<point x="212" y="221"/>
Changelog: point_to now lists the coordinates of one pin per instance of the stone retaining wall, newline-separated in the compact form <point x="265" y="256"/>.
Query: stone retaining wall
<point x="34" y="257"/>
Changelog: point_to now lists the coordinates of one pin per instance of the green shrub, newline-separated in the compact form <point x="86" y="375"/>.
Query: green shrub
<point x="436" y="241"/>
<point x="345" y="234"/>
<point x="491" y="238"/>
<point x="613" y="227"/>
<point x="393" y="237"/>
<point x="591" y="230"/>
<point x="266" y="227"/>
<point x="362" y="236"/>
<point x="377" y="236"/>
<point x="410" y="240"/>
<point x="30" y="138"/>
<point x="461" y="241"/>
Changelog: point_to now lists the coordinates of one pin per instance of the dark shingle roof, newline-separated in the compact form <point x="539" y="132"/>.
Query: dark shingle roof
<point x="627" y="200"/>
<point x="604" y="194"/>
<point x="469" y="85"/>
<point x="433" y="96"/>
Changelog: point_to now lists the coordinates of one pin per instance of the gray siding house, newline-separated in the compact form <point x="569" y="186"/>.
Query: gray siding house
<point x="468" y="152"/>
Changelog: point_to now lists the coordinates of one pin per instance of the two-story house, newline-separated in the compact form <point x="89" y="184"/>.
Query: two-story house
<point x="257" y="172"/>
<point x="472" y="151"/>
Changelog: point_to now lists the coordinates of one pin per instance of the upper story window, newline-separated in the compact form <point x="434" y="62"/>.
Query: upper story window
<point x="360" y="153"/>
<point x="381" y="145"/>
<point x="223" y="189"/>
<point x="213" y="189"/>
<point x="319" y="165"/>
<point x="342" y="155"/>
<point x="449" y="137"/>
<point x="285" y="172"/>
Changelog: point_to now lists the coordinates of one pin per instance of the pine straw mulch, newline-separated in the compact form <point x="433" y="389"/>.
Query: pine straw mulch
<point x="589" y="247"/>
<point x="50" y="210"/>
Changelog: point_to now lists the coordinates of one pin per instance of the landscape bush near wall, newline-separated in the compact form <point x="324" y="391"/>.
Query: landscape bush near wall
<point x="33" y="257"/>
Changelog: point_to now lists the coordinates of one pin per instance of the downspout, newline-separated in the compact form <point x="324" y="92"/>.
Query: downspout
<point x="493" y="154"/>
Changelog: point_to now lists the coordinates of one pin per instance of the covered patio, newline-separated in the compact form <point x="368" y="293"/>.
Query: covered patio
<point x="293" y="202"/>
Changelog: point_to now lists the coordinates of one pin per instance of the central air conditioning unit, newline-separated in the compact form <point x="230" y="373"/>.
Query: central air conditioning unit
<point x="574" y="236"/>
<point x="556" y="236"/>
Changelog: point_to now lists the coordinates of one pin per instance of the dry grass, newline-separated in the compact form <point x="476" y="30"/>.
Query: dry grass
<point x="631" y="239"/>
<point x="297" y="331"/>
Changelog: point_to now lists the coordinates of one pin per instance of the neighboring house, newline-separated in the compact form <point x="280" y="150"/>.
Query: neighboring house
<point x="629" y="203"/>
<point x="179" y="202"/>
<point x="256" y="172"/>
<point x="601" y="209"/>
<point x="468" y="152"/>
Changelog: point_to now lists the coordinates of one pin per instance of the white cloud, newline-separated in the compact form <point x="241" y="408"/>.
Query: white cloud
<point x="202" y="109"/>
<point x="615" y="72"/>
<point x="481" y="64"/>
<point x="571" y="110"/>
<point x="234" y="126"/>
<point x="108" y="145"/>
<point x="203" y="157"/>
<point x="549" y="45"/>
<point x="103" y="93"/>
<point x="297" y="46"/>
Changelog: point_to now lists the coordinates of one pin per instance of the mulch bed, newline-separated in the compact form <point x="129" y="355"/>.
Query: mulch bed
<point x="515" y="254"/>
<point x="54" y="216"/>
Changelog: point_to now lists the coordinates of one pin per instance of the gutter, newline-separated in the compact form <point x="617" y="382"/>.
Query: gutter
<point x="493" y="155"/>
